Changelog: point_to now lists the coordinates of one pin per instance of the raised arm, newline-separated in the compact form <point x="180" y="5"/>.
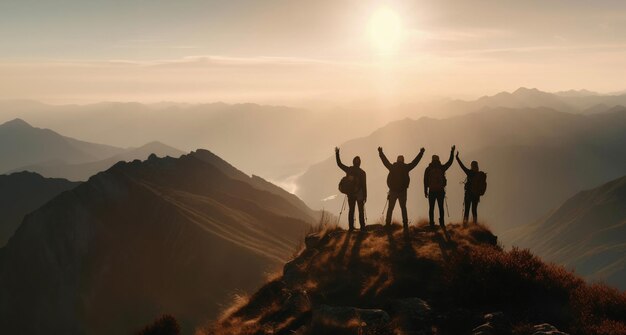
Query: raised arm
<point x="466" y="170"/>
<point x="383" y="158"/>
<point x="451" y="159"/>
<point x="417" y="159"/>
<point x="339" y="163"/>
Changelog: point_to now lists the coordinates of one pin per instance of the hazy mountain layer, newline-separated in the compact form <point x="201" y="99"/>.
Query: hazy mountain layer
<point x="534" y="159"/>
<point x="52" y="155"/>
<point x="271" y="141"/>
<point x="22" y="193"/>
<point x="22" y="144"/>
<point x="587" y="233"/>
<point x="144" y="238"/>
<point x="82" y="171"/>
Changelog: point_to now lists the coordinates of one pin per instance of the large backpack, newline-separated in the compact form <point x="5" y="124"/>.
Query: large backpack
<point x="348" y="185"/>
<point x="398" y="179"/>
<point x="479" y="184"/>
<point x="436" y="179"/>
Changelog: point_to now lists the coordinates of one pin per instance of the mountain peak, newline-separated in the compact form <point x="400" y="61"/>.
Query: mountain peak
<point x="386" y="280"/>
<point x="524" y="90"/>
<point x="16" y="123"/>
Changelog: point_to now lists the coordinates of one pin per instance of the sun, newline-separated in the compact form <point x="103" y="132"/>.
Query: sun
<point x="385" y="30"/>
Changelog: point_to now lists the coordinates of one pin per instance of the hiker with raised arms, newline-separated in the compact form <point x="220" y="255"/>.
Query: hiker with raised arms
<point x="398" y="182"/>
<point x="435" y="187"/>
<point x="475" y="187"/>
<point x="354" y="186"/>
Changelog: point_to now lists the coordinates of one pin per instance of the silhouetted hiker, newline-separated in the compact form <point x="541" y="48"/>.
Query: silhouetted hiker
<point x="475" y="187"/>
<point x="354" y="185"/>
<point x="435" y="186"/>
<point x="398" y="182"/>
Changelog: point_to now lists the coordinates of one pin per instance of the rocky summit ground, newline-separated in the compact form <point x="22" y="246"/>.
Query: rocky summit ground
<point x="395" y="281"/>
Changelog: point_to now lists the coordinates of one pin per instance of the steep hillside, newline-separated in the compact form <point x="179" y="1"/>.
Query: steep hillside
<point x="22" y="193"/>
<point x="82" y="171"/>
<point x="143" y="238"/>
<point x="534" y="159"/>
<point x="22" y="144"/>
<point x="587" y="233"/>
<point x="390" y="281"/>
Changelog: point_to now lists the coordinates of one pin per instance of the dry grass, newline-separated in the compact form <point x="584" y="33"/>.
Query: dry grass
<point x="461" y="280"/>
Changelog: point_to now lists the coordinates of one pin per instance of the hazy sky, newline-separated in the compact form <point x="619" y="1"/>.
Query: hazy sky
<point x="293" y="52"/>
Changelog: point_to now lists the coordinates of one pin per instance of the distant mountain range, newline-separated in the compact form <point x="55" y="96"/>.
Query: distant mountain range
<point x="22" y="144"/>
<point x="175" y="235"/>
<point x="286" y="140"/>
<point x="272" y="141"/>
<point x="82" y="171"/>
<point x="534" y="159"/>
<point x="22" y="193"/>
<point x="572" y="101"/>
<point x="26" y="148"/>
<point x="587" y="233"/>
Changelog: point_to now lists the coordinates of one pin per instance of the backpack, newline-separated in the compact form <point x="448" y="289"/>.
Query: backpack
<point x="398" y="179"/>
<point x="348" y="185"/>
<point x="436" y="179"/>
<point x="479" y="184"/>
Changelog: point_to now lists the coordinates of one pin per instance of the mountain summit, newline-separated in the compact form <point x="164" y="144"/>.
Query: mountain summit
<point x="16" y="123"/>
<point x="391" y="281"/>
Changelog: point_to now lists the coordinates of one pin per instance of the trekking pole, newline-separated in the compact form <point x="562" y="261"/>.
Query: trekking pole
<point x="342" y="208"/>
<point x="463" y="209"/>
<point x="382" y="215"/>
<point x="447" y="210"/>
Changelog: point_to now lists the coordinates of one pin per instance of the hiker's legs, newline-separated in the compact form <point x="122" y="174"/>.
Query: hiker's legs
<point x="441" y="197"/>
<point x="405" y="216"/>
<point x="475" y="209"/>
<point x="392" y="204"/>
<point x="351" y="205"/>
<point x="468" y="204"/>
<point x="361" y="213"/>
<point x="431" y="208"/>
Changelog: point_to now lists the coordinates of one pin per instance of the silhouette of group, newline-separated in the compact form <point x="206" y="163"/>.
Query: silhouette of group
<point x="354" y="185"/>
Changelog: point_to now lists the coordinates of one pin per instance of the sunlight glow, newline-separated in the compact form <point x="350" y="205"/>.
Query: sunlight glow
<point x="385" y="29"/>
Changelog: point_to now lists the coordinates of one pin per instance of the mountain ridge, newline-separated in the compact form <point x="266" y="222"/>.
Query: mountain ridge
<point x="142" y="238"/>
<point x="585" y="232"/>
<point x="22" y="193"/>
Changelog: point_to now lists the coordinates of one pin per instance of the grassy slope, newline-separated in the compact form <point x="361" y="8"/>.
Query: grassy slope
<point x="461" y="281"/>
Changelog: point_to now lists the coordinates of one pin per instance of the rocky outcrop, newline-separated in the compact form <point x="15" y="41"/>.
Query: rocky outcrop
<point x="495" y="324"/>
<point x="546" y="329"/>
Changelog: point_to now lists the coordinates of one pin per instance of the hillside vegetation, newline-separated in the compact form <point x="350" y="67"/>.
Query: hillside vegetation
<point x="586" y="232"/>
<point x="390" y="281"/>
